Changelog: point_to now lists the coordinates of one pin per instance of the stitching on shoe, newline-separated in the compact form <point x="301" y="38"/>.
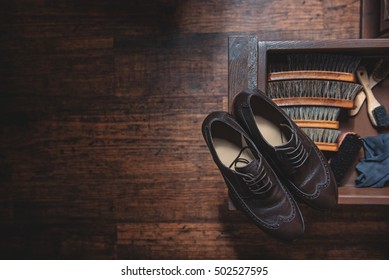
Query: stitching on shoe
<point x="248" y="211"/>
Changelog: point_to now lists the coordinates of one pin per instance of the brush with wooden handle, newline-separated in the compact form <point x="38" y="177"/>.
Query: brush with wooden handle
<point x="314" y="66"/>
<point x="379" y="73"/>
<point x="377" y="113"/>
<point x="314" y="116"/>
<point x="313" y="93"/>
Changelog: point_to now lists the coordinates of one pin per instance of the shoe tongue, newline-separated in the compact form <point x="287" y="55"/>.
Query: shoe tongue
<point x="251" y="167"/>
<point x="288" y="143"/>
<point x="288" y="134"/>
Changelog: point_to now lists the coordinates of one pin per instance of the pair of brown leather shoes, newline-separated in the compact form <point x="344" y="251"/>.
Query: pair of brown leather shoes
<point x="266" y="161"/>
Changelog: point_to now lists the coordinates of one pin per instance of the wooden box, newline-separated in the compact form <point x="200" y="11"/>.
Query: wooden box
<point x="248" y="69"/>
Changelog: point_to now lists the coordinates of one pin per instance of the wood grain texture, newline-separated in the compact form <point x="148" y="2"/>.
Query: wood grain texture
<point x="242" y="65"/>
<point x="236" y="237"/>
<point x="101" y="152"/>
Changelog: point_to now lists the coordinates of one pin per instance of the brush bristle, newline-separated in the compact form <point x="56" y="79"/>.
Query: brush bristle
<point x="346" y="155"/>
<point x="315" y="61"/>
<point x="312" y="113"/>
<point x="381" y="116"/>
<point x="324" y="135"/>
<point x="313" y="88"/>
<point x="381" y="71"/>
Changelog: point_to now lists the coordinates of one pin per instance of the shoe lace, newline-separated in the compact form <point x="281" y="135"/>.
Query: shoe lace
<point x="258" y="183"/>
<point x="296" y="154"/>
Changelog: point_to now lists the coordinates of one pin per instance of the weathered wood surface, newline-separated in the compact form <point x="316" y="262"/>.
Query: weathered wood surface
<point x="101" y="154"/>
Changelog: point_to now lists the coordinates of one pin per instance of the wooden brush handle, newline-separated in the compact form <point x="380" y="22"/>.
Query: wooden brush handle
<point x="379" y="73"/>
<point x="330" y="147"/>
<point x="318" y="123"/>
<point x="358" y="102"/>
<point x="312" y="75"/>
<point x="372" y="102"/>
<point x="361" y="97"/>
<point x="314" y="101"/>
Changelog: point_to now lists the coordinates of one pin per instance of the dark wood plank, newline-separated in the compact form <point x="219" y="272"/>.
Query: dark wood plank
<point x="101" y="152"/>
<point x="241" y="239"/>
<point x="242" y="65"/>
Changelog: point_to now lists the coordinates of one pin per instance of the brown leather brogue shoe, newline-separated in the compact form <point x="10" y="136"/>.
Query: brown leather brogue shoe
<point x="252" y="184"/>
<point x="290" y="152"/>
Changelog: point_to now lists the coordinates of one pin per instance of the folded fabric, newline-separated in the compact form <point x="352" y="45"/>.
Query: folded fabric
<point x="373" y="168"/>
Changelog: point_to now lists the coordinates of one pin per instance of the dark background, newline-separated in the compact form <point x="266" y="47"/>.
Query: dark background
<point x="101" y="153"/>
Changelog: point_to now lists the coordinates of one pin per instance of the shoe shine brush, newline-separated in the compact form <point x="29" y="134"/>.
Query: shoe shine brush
<point x="350" y="145"/>
<point x="377" y="113"/>
<point x="378" y="74"/>
<point x="312" y="89"/>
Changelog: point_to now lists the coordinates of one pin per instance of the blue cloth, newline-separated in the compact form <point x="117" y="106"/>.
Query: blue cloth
<point x="373" y="168"/>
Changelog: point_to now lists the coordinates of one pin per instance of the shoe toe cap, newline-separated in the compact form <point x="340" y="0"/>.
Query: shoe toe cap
<point x="290" y="231"/>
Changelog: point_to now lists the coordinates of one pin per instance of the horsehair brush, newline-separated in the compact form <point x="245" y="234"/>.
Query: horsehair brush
<point x="324" y="66"/>
<point x="349" y="146"/>
<point x="311" y="88"/>
<point x="325" y="139"/>
<point x="313" y="92"/>
<point x="318" y="105"/>
<point x="314" y="116"/>
<point x="319" y="123"/>
<point x="326" y="79"/>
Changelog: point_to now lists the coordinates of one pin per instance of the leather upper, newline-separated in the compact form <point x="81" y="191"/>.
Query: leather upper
<point x="254" y="187"/>
<point x="298" y="161"/>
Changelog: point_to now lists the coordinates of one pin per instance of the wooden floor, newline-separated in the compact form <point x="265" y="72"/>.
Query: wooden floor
<point x="101" y="153"/>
